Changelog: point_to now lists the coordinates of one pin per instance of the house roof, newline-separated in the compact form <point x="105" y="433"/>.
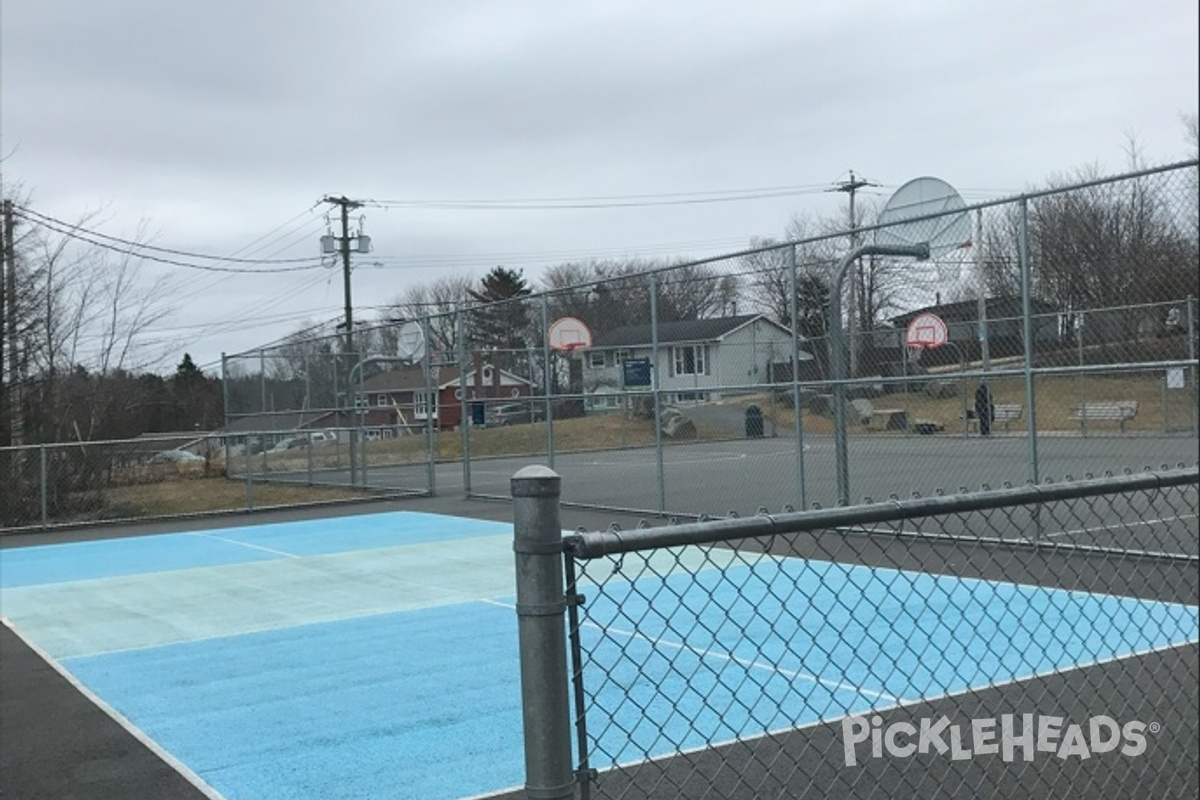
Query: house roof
<point x="403" y="379"/>
<point x="276" y="421"/>
<point x="694" y="330"/>
<point x="171" y="440"/>
<point x="506" y="378"/>
<point x="968" y="310"/>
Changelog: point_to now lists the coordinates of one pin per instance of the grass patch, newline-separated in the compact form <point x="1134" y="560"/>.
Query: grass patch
<point x="196" y="495"/>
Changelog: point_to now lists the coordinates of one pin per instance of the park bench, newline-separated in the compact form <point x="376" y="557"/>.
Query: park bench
<point x="1118" y="411"/>
<point x="1002" y="412"/>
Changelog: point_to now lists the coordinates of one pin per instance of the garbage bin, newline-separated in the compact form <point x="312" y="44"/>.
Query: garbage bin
<point x="754" y="422"/>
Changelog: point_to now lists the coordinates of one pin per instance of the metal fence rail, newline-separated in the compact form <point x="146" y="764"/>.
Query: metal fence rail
<point x="1083" y="331"/>
<point x="721" y="384"/>
<point x="1034" y="640"/>
<point x="185" y="474"/>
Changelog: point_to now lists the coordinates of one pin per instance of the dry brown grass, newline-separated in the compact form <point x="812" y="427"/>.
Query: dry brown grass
<point x="196" y="495"/>
<point x="186" y="488"/>
<point x="1057" y="399"/>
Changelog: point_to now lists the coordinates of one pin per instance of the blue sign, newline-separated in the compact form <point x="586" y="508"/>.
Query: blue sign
<point x="636" y="371"/>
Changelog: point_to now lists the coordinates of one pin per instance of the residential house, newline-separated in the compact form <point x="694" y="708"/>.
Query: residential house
<point x="697" y="360"/>
<point x="1004" y="327"/>
<point x="397" y="400"/>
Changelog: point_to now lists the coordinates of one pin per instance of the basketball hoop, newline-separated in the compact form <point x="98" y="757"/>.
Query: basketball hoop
<point x="914" y="353"/>
<point x="926" y="331"/>
<point x="568" y="335"/>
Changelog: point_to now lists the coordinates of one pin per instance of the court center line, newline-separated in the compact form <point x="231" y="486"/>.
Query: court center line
<point x="264" y="549"/>
<point x="183" y="769"/>
<point x="1012" y="540"/>
<point x="1120" y="525"/>
<point x="705" y="652"/>
<point x="903" y="704"/>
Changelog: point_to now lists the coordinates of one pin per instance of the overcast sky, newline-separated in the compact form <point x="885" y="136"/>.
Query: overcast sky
<point x="221" y="123"/>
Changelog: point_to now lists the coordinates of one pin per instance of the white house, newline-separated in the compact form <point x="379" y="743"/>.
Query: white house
<point x="698" y="360"/>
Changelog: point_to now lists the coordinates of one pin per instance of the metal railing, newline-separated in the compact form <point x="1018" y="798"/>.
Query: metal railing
<point x="179" y="475"/>
<point x="1087" y="342"/>
<point x="1079" y="316"/>
<point x="1013" y="641"/>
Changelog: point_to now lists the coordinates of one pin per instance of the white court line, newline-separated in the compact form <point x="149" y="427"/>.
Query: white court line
<point x="1119" y="526"/>
<point x="919" y="534"/>
<point x="183" y="769"/>
<point x="723" y="656"/>
<point x="243" y="544"/>
<point x="899" y="705"/>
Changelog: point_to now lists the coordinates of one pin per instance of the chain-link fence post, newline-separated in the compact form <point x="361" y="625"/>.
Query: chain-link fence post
<point x="43" y="485"/>
<point x="797" y="409"/>
<point x="249" y="475"/>
<point x="541" y="609"/>
<point x="1027" y="335"/>
<point x="464" y="407"/>
<point x="308" y="451"/>
<point x="225" y="409"/>
<point x="546" y="383"/>
<point x="1194" y="406"/>
<point x="431" y="405"/>
<point x="655" y="361"/>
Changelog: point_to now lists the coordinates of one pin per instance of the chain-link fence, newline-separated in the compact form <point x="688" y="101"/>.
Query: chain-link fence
<point x="185" y="474"/>
<point x="780" y="375"/>
<point x="784" y="374"/>
<point x="1038" y="641"/>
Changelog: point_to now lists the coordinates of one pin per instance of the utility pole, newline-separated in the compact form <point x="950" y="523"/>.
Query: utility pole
<point x="10" y="399"/>
<point x="353" y="409"/>
<point x="854" y="313"/>
<point x="344" y="247"/>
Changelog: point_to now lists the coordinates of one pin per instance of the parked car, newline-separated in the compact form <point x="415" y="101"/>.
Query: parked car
<point x="514" y="414"/>
<point x="175" y="457"/>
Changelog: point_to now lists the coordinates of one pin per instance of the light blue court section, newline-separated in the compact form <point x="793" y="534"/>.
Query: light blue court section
<point x="377" y="656"/>
<point x="80" y="561"/>
<point x="424" y="704"/>
<point x="683" y="662"/>
<point x="148" y="609"/>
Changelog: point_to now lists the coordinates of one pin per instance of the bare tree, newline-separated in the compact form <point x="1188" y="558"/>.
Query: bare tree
<point x="87" y="309"/>
<point x="438" y="301"/>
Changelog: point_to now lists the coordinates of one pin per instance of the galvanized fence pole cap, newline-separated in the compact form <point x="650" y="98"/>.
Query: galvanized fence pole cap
<point x="536" y="481"/>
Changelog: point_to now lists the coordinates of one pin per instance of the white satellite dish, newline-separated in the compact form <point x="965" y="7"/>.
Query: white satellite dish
<point x="910" y="217"/>
<point x="410" y="341"/>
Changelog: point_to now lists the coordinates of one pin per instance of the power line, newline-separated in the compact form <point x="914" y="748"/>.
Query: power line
<point x="73" y="232"/>
<point x="605" y="201"/>
<point x="36" y="217"/>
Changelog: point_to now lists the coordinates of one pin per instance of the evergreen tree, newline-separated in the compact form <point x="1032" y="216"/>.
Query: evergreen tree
<point x="502" y="323"/>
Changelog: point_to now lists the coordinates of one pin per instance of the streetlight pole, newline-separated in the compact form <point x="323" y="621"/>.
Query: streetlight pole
<point x="837" y="350"/>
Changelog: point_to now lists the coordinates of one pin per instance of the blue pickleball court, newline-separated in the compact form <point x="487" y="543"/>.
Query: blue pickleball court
<point x="376" y="656"/>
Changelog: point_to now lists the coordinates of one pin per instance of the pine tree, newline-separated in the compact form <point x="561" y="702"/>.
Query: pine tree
<point x="502" y="323"/>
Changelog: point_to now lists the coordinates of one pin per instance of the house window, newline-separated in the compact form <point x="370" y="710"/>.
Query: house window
<point x="360" y="401"/>
<point x="381" y="399"/>
<point x="622" y="356"/>
<point x="597" y="359"/>
<point x="689" y="360"/>
<point x="421" y="405"/>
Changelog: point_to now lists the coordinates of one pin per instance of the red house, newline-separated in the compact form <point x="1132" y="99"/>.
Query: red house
<point x="398" y="398"/>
